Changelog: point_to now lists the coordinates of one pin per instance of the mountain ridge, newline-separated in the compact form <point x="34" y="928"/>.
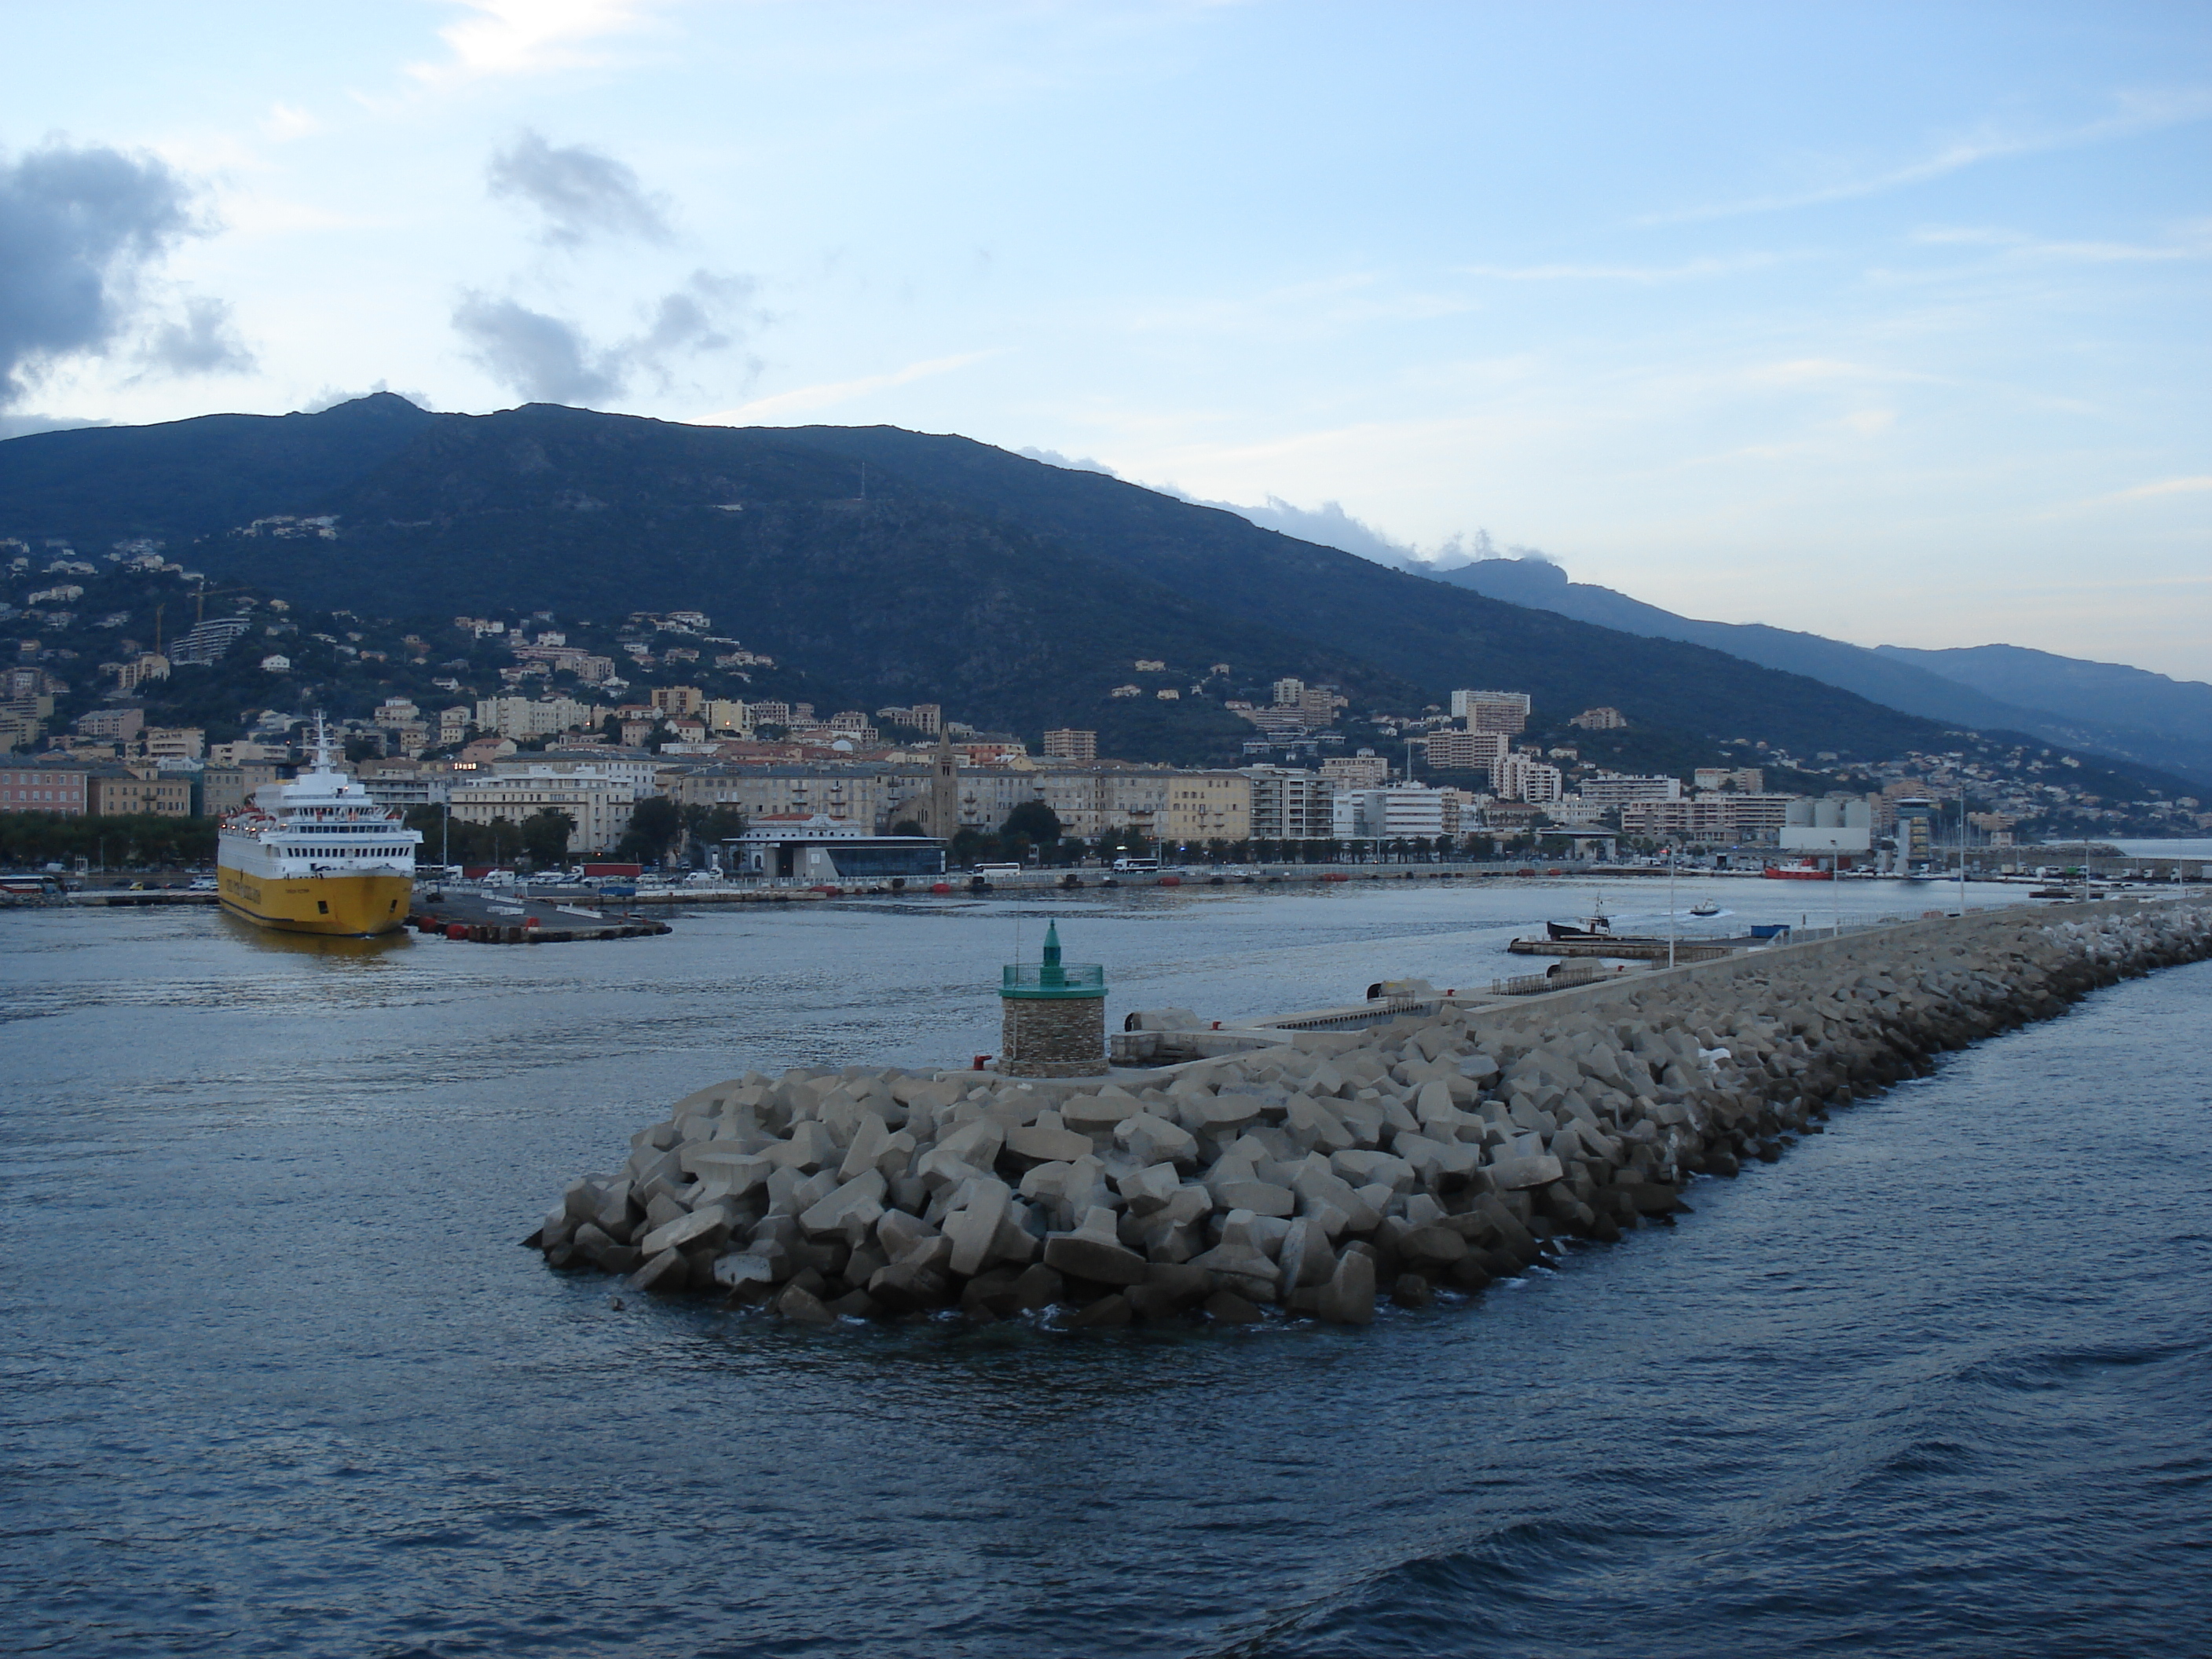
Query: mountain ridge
<point x="878" y="566"/>
<point x="1981" y="687"/>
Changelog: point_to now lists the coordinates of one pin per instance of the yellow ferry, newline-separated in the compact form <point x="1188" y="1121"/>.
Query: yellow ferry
<point x="317" y="855"/>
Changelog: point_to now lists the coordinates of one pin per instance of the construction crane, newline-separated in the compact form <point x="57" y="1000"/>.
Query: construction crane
<point x="201" y="596"/>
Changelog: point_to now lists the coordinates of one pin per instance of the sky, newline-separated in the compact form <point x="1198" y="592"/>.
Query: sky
<point x="1888" y="322"/>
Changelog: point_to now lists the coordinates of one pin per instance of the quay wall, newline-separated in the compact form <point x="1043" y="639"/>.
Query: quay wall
<point x="1428" y="1156"/>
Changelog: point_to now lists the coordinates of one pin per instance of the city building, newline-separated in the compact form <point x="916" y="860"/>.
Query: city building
<point x="173" y="743"/>
<point x="226" y="788"/>
<point x="1492" y="711"/>
<point x="1917" y="819"/>
<point x="1715" y="817"/>
<point x="599" y="808"/>
<point x="1465" y="751"/>
<point x="816" y="846"/>
<point x="1749" y="779"/>
<point x="113" y="725"/>
<point x="1204" y="806"/>
<point x="1356" y="771"/>
<point x="44" y="785"/>
<point x="1599" y="720"/>
<point x="864" y="793"/>
<point x="118" y="791"/>
<point x="1617" y="789"/>
<point x="1521" y="776"/>
<point x="1291" y="804"/>
<point x="1065" y="744"/>
<point x="206" y="642"/>
<point x="726" y="714"/>
<point x="518" y="717"/>
<point x="1405" y="812"/>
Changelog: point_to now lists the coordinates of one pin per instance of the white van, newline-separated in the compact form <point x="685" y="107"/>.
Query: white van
<point x="1136" y="867"/>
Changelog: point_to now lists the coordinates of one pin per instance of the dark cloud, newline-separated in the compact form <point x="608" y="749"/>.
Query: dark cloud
<point x="202" y="342"/>
<point x="582" y="193"/>
<point x="549" y="359"/>
<point x="544" y="359"/>
<point x="80" y="229"/>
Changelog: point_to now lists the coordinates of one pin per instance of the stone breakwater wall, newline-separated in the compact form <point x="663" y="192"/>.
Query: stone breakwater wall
<point x="1427" y="1155"/>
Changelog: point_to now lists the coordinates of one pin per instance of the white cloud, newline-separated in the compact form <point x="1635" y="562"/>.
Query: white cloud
<point x="807" y="398"/>
<point x="2165" y="487"/>
<point x="1573" y="273"/>
<point x="286" y="121"/>
<point x="529" y="37"/>
<point x="2137" y="113"/>
<point x="2196" y="243"/>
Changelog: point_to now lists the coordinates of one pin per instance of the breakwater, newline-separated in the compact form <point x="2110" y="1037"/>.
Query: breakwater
<point x="1427" y="1154"/>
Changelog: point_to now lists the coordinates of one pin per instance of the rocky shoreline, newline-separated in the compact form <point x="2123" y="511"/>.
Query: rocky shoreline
<point x="1425" y="1156"/>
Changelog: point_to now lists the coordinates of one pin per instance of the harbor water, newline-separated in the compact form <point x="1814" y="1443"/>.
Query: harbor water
<point x="280" y="1382"/>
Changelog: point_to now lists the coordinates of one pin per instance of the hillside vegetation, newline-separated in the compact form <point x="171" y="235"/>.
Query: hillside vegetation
<point x="1017" y="593"/>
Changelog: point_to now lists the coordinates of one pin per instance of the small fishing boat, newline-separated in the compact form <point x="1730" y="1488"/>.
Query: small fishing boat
<point x="1704" y="907"/>
<point x="1595" y="927"/>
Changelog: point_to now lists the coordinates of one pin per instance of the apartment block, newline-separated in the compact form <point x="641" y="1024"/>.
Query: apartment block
<point x="600" y="808"/>
<point x="1396" y="814"/>
<point x="1067" y="744"/>
<point x="1617" y="789"/>
<point x="1492" y="711"/>
<point x="518" y="717"/>
<point x="125" y="790"/>
<point x="1291" y="804"/>
<point x="1203" y="807"/>
<point x="1467" y="751"/>
<point x="1709" y="817"/>
<point x="224" y="789"/>
<point x="1356" y="771"/>
<point x="44" y="785"/>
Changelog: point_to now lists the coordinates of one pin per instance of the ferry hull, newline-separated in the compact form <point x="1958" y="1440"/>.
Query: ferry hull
<point x="350" y="905"/>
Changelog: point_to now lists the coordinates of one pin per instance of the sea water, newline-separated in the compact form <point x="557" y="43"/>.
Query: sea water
<point x="279" y="1380"/>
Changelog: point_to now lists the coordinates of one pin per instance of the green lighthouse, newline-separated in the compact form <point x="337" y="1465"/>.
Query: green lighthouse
<point x="1054" y="1016"/>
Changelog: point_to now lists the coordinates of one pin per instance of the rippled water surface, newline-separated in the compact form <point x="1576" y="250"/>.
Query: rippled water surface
<point x="279" y="1381"/>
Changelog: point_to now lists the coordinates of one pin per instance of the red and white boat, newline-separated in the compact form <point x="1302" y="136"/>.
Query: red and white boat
<point x="1803" y="869"/>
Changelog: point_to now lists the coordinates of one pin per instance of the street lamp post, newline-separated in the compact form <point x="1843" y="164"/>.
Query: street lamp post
<point x="1670" y="903"/>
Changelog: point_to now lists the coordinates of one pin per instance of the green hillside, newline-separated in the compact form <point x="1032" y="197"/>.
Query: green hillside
<point x="1018" y="595"/>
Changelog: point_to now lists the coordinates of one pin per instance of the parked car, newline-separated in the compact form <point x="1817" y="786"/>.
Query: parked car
<point x="204" y="884"/>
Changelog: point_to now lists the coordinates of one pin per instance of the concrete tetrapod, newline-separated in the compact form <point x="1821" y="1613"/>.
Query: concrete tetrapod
<point x="1426" y="1156"/>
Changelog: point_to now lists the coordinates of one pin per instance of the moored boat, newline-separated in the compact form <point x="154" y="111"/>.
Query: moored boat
<point x="1803" y="869"/>
<point x="317" y="855"/>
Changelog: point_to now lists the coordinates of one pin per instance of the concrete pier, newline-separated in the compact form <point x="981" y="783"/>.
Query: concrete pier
<point x="540" y="919"/>
<point x="1425" y="1153"/>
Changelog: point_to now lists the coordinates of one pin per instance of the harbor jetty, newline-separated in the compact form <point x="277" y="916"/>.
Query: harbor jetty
<point x="492" y="918"/>
<point x="1428" y="1154"/>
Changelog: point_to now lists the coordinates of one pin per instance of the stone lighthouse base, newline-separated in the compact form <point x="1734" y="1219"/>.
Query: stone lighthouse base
<point x="1055" y="1036"/>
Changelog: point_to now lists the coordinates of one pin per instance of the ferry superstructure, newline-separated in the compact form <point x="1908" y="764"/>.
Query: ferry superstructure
<point x="317" y="855"/>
